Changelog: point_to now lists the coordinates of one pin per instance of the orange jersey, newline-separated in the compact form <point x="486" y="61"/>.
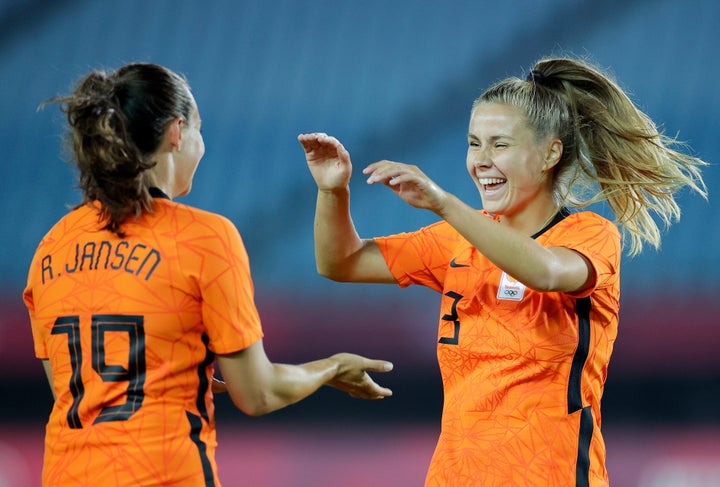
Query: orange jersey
<point x="131" y="327"/>
<point x="523" y="371"/>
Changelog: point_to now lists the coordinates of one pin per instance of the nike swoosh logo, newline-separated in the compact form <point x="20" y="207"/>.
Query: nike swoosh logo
<point x="455" y="264"/>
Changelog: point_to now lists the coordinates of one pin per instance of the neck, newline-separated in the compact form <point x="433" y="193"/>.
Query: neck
<point x="161" y="176"/>
<point x="531" y="221"/>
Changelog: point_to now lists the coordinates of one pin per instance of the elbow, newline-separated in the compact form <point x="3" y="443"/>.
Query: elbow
<point x="331" y="272"/>
<point x="541" y="279"/>
<point x="256" y="412"/>
<point x="555" y="278"/>
<point x="542" y="286"/>
<point x="324" y="271"/>
<point x="253" y="408"/>
<point x="544" y="282"/>
<point x="259" y="405"/>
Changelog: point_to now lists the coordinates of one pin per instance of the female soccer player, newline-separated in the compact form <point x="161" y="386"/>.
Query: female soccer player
<point x="133" y="297"/>
<point x="530" y="289"/>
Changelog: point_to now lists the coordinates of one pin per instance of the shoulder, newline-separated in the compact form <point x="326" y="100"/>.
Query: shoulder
<point x="195" y="221"/>
<point x="588" y="233"/>
<point x="82" y="219"/>
<point x="589" y="216"/>
<point x="585" y="222"/>
<point x="422" y="238"/>
<point x="443" y="228"/>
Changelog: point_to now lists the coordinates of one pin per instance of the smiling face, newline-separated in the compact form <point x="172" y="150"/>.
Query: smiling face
<point x="511" y="169"/>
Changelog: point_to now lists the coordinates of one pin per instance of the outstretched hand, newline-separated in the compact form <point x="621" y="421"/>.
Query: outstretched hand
<point x="327" y="159"/>
<point x="352" y="376"/>
<point x="408" y="182"/>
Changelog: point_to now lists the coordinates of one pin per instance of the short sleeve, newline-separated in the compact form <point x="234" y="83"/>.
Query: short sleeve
<point x="38" y="336"/>
<point x="597" y="239"/>
<point x="420" y="257"/>
<point x="227" y="291"/>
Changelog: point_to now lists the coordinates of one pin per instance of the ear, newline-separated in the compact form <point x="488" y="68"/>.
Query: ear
<point x="553" y="154"/>
<point x="173" y="132"/>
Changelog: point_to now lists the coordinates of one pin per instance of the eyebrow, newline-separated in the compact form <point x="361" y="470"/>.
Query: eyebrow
<point x="492" y="138"/>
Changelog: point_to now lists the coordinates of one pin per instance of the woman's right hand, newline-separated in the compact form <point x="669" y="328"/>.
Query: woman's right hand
<point x="327" y="159"/>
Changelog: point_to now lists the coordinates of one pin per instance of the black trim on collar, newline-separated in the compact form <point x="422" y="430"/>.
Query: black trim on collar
<point x="560" y="216"/>
<point x="157" y="193"/>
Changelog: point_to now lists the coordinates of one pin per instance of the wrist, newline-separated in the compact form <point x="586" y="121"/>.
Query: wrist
<point x="334" y="191"/>
<point x="445" y="204"/>
<point x="335" y="366"/>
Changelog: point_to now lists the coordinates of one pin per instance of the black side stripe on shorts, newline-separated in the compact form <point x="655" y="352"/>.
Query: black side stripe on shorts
<point x="195" y="427"/>
<point x="574" y="398"/>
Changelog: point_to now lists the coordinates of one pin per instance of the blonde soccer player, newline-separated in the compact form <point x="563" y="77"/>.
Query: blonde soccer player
<point x="530" y="285"/>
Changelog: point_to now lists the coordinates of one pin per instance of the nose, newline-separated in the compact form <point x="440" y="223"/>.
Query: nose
<point x="478" y="158"/>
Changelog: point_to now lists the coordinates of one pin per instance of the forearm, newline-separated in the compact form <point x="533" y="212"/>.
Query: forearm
<point x="259" y="387"/>
<point x="518" y="255"/>
<point x="292" y="383"/>
<point x="336" y="239"/>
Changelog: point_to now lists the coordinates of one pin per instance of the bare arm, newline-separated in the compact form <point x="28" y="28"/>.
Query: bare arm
<point x="538" y="267"/>
<point x="340" y="253"/>
<point x="258" y="386"/>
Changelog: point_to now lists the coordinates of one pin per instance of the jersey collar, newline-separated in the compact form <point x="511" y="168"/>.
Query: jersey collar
<point x="559" y="216"/>
<point x="157" y="193"/>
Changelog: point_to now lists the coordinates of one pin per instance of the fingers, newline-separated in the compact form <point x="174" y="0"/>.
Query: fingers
<point x="318" y="139"/>
<point x="381" y="392"/>
<point x="309" y="141"/>
<point x="378" y="365"/>
<point x="376" y="392"/>
<point x="353" y="377"/>
<point x="370" y="390"/>
<point x="320" y="147"/>
<point x="388" y="172"/>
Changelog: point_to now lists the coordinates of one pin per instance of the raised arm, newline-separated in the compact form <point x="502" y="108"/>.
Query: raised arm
<point x="539" y="267"/>
<point x="258" y="386"/>
<point x="340" y="253"/>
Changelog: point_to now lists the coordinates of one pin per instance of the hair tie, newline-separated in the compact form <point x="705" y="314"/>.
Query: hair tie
<point x="536" y="77"/>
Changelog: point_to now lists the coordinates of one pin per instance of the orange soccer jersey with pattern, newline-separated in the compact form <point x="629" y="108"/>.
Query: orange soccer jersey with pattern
<point x="523" y="371"/>
<point x="130" y="327"/>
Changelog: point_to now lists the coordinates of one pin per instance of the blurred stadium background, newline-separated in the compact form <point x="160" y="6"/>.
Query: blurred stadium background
<point x="392" y="79"/>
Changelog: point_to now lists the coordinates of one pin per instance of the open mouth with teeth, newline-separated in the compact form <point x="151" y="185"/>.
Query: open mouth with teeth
<point x="490" y="184"/>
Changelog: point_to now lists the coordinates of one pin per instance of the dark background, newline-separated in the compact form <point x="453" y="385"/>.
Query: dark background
<point x="395" y="80"/>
